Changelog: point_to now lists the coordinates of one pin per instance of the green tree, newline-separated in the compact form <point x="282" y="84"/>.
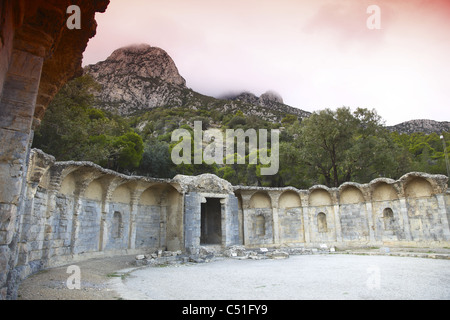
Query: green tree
<point x="340" y="146"/>
<point x="156" y="161"/>
<point x="73" y="129"/>
<point x="127" y="152"/>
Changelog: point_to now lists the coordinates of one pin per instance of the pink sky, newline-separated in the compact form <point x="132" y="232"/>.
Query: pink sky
<point x="317" y="54"/>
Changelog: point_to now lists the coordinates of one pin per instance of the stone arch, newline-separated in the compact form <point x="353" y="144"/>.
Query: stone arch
<point x="388" y="213"/>
<point x="260" y="200"/>
<point x="68" y="185"/>
<point x="121" y="194"/>
<point x="320" y="197"/>
<point x="151" y="196"/>
<point x="322" y="225"/>
<point x="351" y="195"/>
<point x="45" y="180"/>
<point x="418" y="188"/>
<point x="289" y="199"/>
<point x="383" y="191"/>
<point x="94" y="191"/>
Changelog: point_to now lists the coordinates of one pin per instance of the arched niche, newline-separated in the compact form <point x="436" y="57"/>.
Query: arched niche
<point x="151" y="196"/>
<point x="94" y="191"/>
<point x="351" y="195"/>
<point x="322" y="225"/>
<point x="418" y="188"/>
<point x="260" y="226"/>
<point x="289" y="199"/>
<point x="68" y="185"/>
<point x="260" y="200"/>
<point x="121" y="195"/>
<point x="320" y="197"/>
<point x="383" y="191"/>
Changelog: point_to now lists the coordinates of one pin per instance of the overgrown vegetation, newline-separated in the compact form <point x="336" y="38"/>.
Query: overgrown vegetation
<point x="330" y="147"/>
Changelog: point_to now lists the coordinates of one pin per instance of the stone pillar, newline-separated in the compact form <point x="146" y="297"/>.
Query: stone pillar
<point x="20" y="89"/>
<point x="245" y="196"/>
<point x="78" y="206"/>
<point x="109" y="184"/>
<point x="47" y="248"/>
<point x="192" y="223"/>
<point x="16" y="117"/>
<point x="370" y="225"/>
<point x="337" y="222"/>
<point x="307" y="223"/>
<point x="132" y="227"/>
<point x="274" y="196"/>
<point x="230" y="220"/>
<point x="404" y="214"/>
<point x="443" y="216"/>
<point x="163" y="220"/>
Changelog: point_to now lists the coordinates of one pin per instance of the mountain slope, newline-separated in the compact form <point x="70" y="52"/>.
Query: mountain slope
<point x="421" y="125"/>
<point x="140" y="78"/>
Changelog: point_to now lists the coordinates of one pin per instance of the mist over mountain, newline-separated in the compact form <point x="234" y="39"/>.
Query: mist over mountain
<point x="138" y="78"/>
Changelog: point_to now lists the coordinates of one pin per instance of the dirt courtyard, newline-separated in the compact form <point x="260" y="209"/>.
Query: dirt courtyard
<point x="318" y="276"/>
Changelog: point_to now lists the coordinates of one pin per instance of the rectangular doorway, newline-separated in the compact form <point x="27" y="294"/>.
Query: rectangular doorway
<point x="211" y="222"/>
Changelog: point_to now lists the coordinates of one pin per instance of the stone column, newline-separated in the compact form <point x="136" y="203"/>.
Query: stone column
<point x="18" y="98"/>
<point x="370" y="225"/>
<point x="337" y="222"/>
<point x="78" y="205"/>
<point x="274" y="196"/>
<point x="192" y="223"/>
<point x="16" y="117"/>
<point x="163" y="220"/>
<point x="245" y="196"/>
<point x="307" y="223"/>
<point x="47" y="247"/>
<point x="132" y="227"/>
<point x="443" y="216"/>
<point x="404" y="214"/>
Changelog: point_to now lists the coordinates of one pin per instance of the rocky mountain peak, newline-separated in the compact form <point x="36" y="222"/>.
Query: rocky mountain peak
<point x="138" y="78"/>
<point x="139" y="60"/>
<point x="264" y="99"/>
<point x="271" y="96"/>
<point x="421" y="125"/>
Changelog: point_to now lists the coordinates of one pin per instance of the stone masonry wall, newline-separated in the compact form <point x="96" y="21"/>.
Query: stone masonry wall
<point x="413" y="211"/>
<point x="77" y="210"/>
<point x="38" y="54"/>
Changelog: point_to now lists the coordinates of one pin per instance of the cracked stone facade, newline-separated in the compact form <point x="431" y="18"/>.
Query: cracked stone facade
<point x="78" y="210"/>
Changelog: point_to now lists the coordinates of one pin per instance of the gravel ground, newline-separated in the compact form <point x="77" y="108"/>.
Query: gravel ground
<point x="299" y="277"/>
<point x="328" y="276"/>
<point x="95" y="274"/>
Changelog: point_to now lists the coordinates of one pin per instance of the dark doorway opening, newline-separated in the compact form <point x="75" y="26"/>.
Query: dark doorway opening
<point x="211" y="219"/>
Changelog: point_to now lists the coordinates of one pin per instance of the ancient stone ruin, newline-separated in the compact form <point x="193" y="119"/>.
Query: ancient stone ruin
<point x="78" y="210"/>
<point x="53" y="213"/>
<point x="38" y="54"/>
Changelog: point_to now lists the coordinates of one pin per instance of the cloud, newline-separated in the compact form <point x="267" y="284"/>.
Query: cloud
<point x="345" y="23"/>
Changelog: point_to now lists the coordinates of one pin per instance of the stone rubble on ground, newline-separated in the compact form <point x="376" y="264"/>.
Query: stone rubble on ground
<point x="208" y="254"/>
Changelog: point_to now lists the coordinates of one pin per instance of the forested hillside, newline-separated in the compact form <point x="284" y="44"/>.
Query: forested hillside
<point x="329" y="147"/>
